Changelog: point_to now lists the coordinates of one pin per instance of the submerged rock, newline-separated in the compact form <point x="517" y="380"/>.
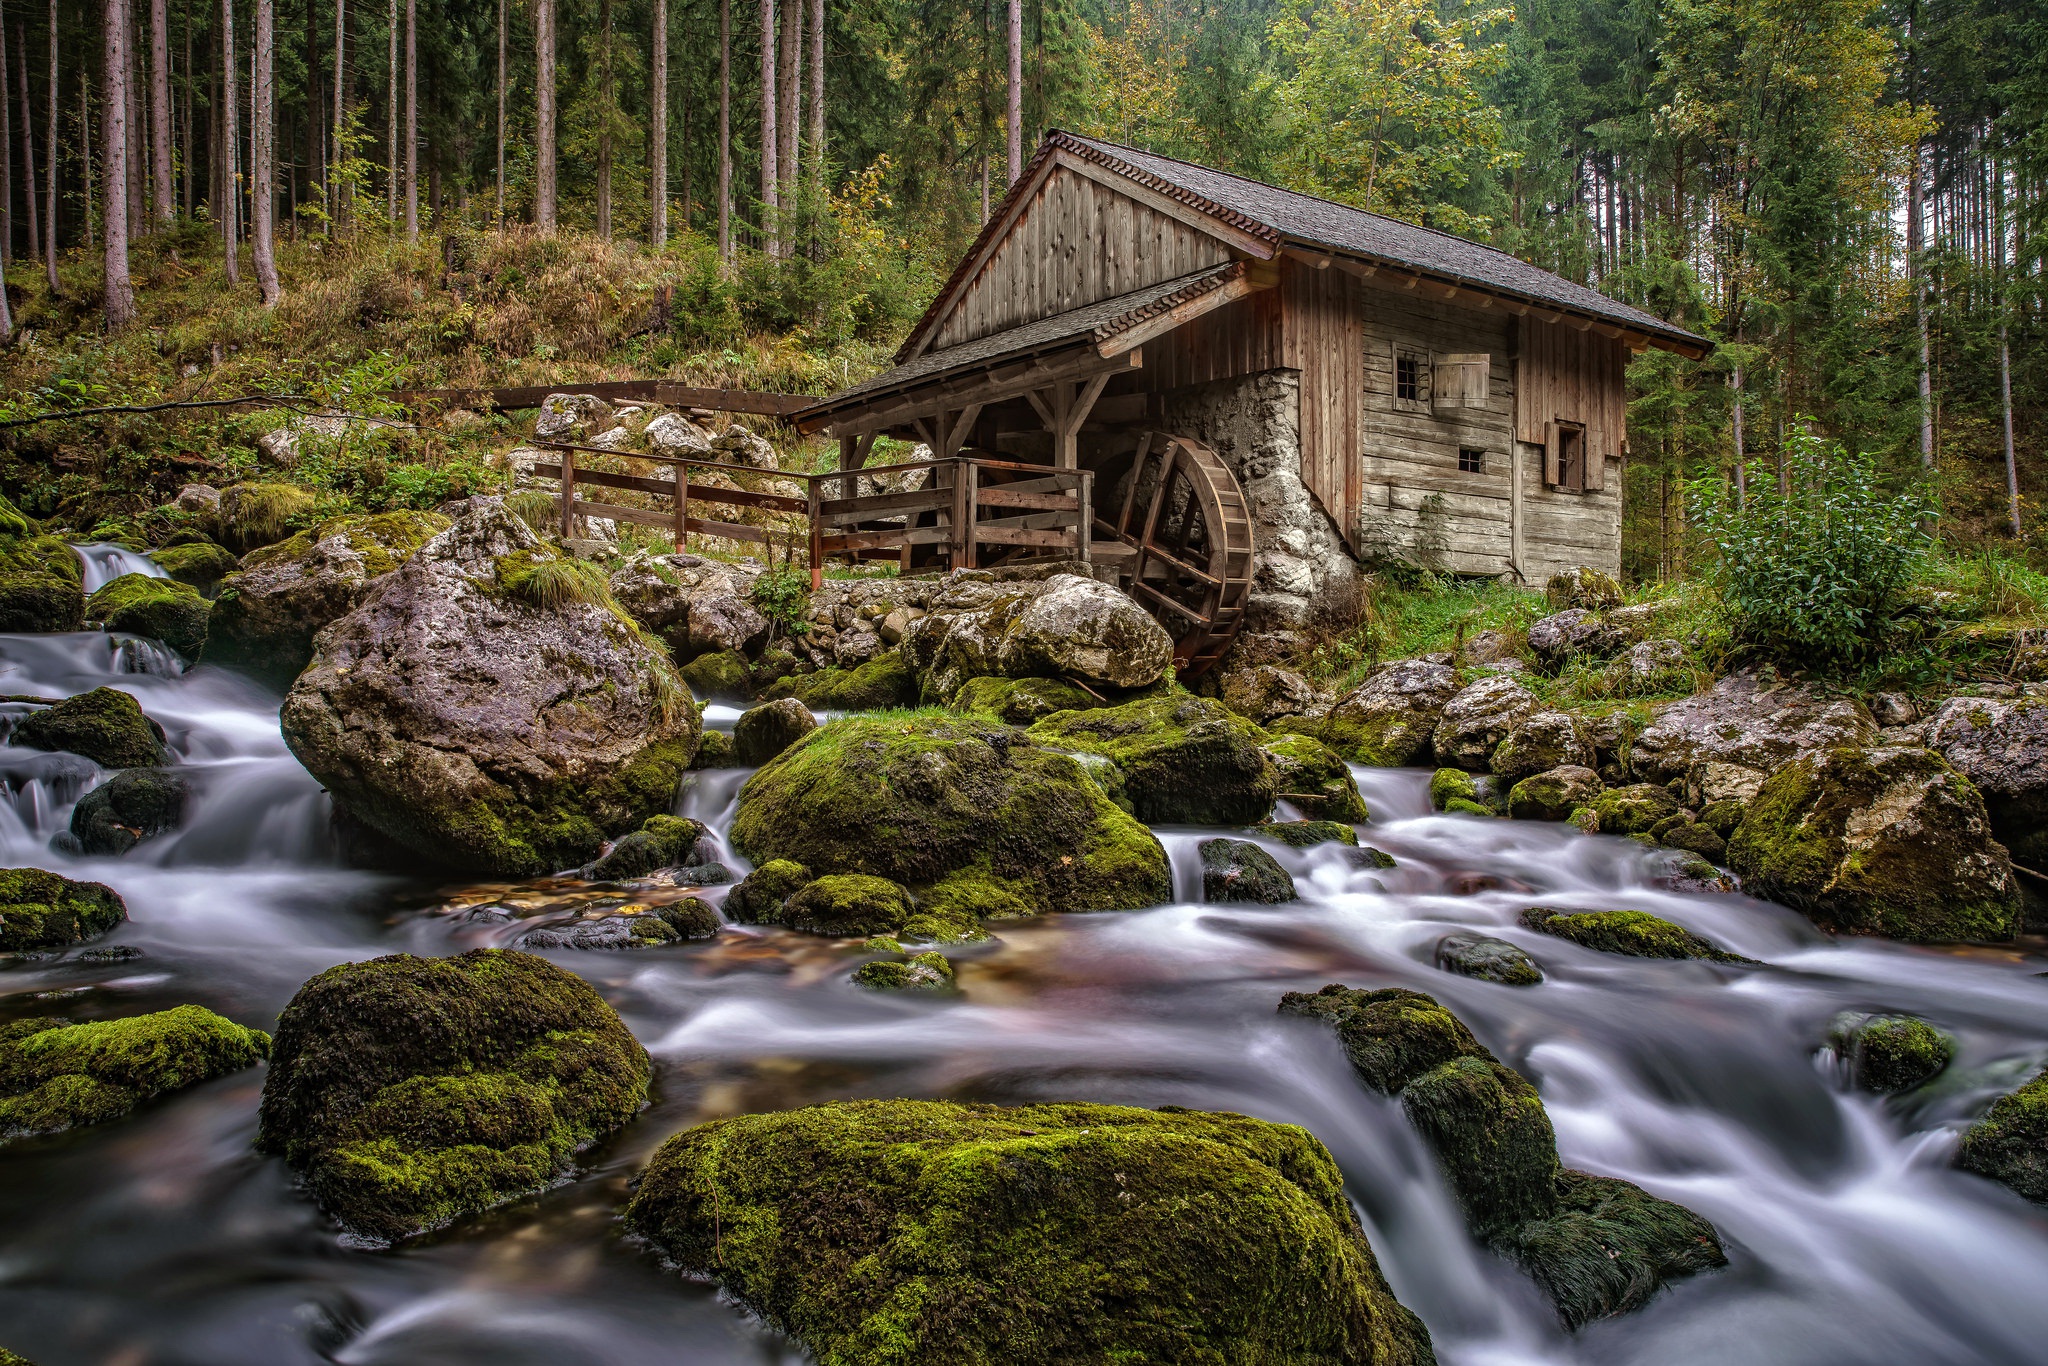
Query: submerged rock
<point x="1596" y="1245"/>
<point x="105" y="725"/>
<point x="2010" y="1144"/>
<point x="1240" y="871"/>
<point x="2001" y="747"/>
<point x="268" y="612"/>
<point x="1478" y="718"/>
<point x="1886" y="1053"/>
<point x="57" y="1075"/>
<point x="1307" y="834"/>
<point x="488" y="707"/>
<point x="1315" y="780"/>
<point x="1182" y="759"/>
<point x="128" y="808"/>
<point x="410" y="1092"/>
<point x="1389" y="719"/>
<point x="1033" y="1235"/>
<point x="161" y="609"/>
<point x="918" y="972"/>
<point x="40" y="910"/>
<point x="1638" y="934"/>
<point x="1885" y="841"/>
<point x="660" y="842"/>
<point x="765" y="731"/>
<point x="1471" y="954"/>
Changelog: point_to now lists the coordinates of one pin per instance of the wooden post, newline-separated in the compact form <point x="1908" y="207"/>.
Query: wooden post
<point x="817" y="536"/>
<point x="1084" y="525"/>
<point x="568" y="490"/>
<point x="682" y="499"/>
<point x="970" y="483"/>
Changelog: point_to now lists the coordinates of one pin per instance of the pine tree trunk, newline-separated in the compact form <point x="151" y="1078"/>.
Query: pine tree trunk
<point x="85" y="162"/>
<point x="544" y="115"/>
<point x="768" y="180"/>
<point x="263" y="219"/>
<point x="28" y="144"/>
<point x="185" y="199"/>
<point x="788" y="82"/>
<point x="50" y="161"/>
<point x="816" y="161"/>
<point x="393" y="106"/>
<point x="412" y="121"/>
<point x="1016" y="101"/>
<point x="657" y="132"/>
<point x="160" y="109"/>
<point x="120" y="294"/>
<point x="230" y="156"/>
<point x="2012" y="469"/>
<point x="138" y="135"/>
<point x="725" y="132"/>
<point x="503" y="15"/>
<point x="339" y="154"/>
<point x="604" y="120"/>
<point x="6" y="155"/>
<point x="1919" y="287"/>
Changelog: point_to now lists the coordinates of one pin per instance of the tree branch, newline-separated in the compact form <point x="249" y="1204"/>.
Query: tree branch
<point x="297" y="402"/>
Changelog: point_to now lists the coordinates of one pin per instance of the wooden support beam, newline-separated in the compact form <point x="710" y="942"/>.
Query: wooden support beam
<point x="1159" y="324"/>
<point x="994" y="384"/>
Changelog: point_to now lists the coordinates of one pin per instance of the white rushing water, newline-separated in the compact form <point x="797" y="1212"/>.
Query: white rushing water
<point x="162" y="1238"/>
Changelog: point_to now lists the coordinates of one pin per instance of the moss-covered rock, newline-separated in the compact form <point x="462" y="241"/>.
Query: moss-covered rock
<point x="1695" y="838"/>
<point x="199" y="563"/>
<point x="105" y="725"/>
<point x="1553" y="794"/>
<point x="855" y="906"/>
<point x="1240" y="871"/>
<point x="1637" y="934"/>
<point x="1183" y="759"/>
<point x="2010" y="1144"/>
<point x="917" y="972"/>
<point x="1389" y="719"/>
<point x="8" y="1358"/>
<point x="1887" y="1053"/>
<point x="1582" y="587"/>
<point x="972" y="816"/>
<point x="765" y="731"/>
<point x="128" y="808"/>
<point x="1021" y="701"/>
<point x="722" y="675"/>
<point x="1315" y="780"/>
<point x="40" y="590"/>
<point x="1635" y="809"/>
<point x="1471" y="954"/>
<point x="57" y="1075"/>
<point x="1885" y="841"/>
<point x="1598" y="1246"/>
<point x="40" y="911"/>
<point x="1461" y="806"/>
<point x="268" y="612"/>
<point x="410" y="1092"/>
<point x="660" y="842"/>
<point x="760" y="896"/>
<point x="881" y="683"/>
<point x="714" y="750"/>
<point x="1449" y="785"/>
<point x="1539" y="743"/>
<point x="1035" y="1236"/>
<point x="162" y="609"/>
<point x="1478" y="717"/>
<point x="259" y="514"/>
<point x="1307" y="834"/>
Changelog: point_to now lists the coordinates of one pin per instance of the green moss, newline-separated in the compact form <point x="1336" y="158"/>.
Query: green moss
<point x="1392" y="1035"/>
<point x="2010" y="1144"/>
<point x="201" y="564"/>
<point x="47" y="555"/>
<point x="39" y="585"/>
<point x="1315" y="781"/>
<point x="919" y="972"/>
<point x="917" y="797"/>
<point x="714" y="750"/>
<point x="13" y="521"/>
<point x="1635" y="809"/>
<point x="1449" y="785"/>
<point x="722" y="675"/>
<point x="162" y="609"/>
<point x="1183" y="759"/>
<point x="760" y="895"/>
<point x="764" y="731"/>
<point x="660" y="842"/>
<point x="40" y="910"/>
<point x="852" y="905"/>
<point x="253" y="515"/>
<point x="1637" y="934"/>
<point x="1459" y="806"/>
<point x="882" y="682"/>
<point x="1887" y="1053"/>
<point x="105" y="725"/>
<point x="1609" y="1246"/>
<point x="1238" y="871"/>
<point x="413" y="1091"/>
<point x="384" y="541"/>
<point x="1491" y="1136"/>
<point x="8" y="1358"/>
<point x="886" y="1233"/>
<point x="541" y="578"/>
<point x="1021" y="701"/>
<point x="1306" y="834"/>
<point x="56" y="1075"/>
<point x="563" y="822"/>
<point x="1552" y="795"/>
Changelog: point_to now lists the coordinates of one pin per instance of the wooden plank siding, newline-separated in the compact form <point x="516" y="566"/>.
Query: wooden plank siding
<point x="1572" y="376"/>
<point x="1320" y="336"/>
<point x="1076" y="241"/>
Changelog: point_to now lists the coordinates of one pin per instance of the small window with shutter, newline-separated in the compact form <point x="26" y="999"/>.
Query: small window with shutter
<point x="1461" y="380"/>
<point x="1567" y="460"/>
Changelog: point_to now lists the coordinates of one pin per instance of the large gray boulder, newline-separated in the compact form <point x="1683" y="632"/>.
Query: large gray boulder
<point x="2002" y="747"/>
<point x="267" y="613"/>
<point x="1750" y="723"/>
<point x="1575" y="633"/>
<point x="696" y="606"/>
<point x="1066" y="627"/>
<point x="1478" y="718"/>
<point x="491" y="708"/>
<point x="1885" y="841"/>
<point x="1389" y="719"/>
<point x="1547" y="740"/>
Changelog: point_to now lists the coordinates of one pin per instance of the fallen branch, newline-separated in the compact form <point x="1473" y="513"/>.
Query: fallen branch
<point x="296" y="402"/>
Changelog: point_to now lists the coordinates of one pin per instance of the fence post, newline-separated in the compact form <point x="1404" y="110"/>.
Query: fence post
<point x="682" y="497"/>
<point x="568" y="482"/>
<point x="1084" y="527"/>
<point x="817" y="535"/>
<point x="970" y="488"/>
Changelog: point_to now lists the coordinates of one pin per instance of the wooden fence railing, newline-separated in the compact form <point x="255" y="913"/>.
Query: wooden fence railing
<point x="963" y="508"/>
<point x="665" y="392"/>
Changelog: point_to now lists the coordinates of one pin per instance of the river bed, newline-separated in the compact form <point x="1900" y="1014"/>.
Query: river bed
<point x="163" y="1240"/>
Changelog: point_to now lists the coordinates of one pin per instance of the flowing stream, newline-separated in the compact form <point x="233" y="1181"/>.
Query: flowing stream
<point x="163" y="1240"/>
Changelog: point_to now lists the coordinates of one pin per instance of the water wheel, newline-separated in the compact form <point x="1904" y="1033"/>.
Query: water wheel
<point x="1185" y="519"/>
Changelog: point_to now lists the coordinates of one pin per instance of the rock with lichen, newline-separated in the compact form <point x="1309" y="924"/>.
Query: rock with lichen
<point x="1887" y="1053"/>
<point x="57" y="1074"/>
<point x="161" y="609"/>
<point x="1315" y="781"/>
<point x="2002" y="748"/>
<point x="41" y="911"/>
<point x="2010" y="1143"/>
<point x="411" y="1092"/>
<point x="105" y="725"/>
<point x="1478" y="717"/>
<point x="1180" y="759"/>
<point x="1471" y="954"/>
<point x="1553" y="794"/>
<point x="764" y="731"/>
<point x="1238" y="871"/>
<point x="1389" y="720"/>
<point x="1637" y="934"/>
<point x="1034" y="1235"/>
<point x="914" y="972"/>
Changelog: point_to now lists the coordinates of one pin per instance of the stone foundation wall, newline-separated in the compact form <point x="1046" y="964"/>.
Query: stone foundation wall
<point x="1303" y="572"/>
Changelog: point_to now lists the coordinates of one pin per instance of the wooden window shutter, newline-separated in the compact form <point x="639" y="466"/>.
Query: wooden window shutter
<point x="1596" y="467"/>
<point x="1461" y="380"/>
<point x="1553" y="451"/>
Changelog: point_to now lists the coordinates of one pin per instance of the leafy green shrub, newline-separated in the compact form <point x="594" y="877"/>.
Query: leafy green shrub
<point x="423" y="487"/>
<point x="784" y="597"/>
<point x="1814" y="571"/>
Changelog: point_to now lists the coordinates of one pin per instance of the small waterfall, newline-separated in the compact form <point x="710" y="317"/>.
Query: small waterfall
<point x="105" y="562"/>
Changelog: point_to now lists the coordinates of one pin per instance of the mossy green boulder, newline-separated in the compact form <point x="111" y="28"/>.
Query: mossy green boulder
<point x="105" y="725"/>
<point x="1307" y="834"/>
<point x="915" y="972"/>
<point x="1553" y="794"/>
<point x="882" y="682"/>
<point x="1449" y="785"/>
<point x="57" y="1074"/>
<point x="1635" y="809"/>
<point x="1390" y="719"/>
<point x="764" y="731"/>
<point x="161" y="609"/>
<point x="410" y="1092"/>
<point x="1596" y="1245"/>
<point x="1238" y="871"/>
<point x="975" y="818"/>
<point x="1637" y="934"/>
<point x="199" y="563"/>
<point x="128" y="808"/>
<point x="268" y="612"/>
<point x="259" y="514"/>
<point x="41" y="911"/>
<point x="40" y="578"/>
<point x="1183" y="760"/>
<point x="1021" y="701"/>
<point x="854" y="905"/>
<point x="722" y="675"/>
<point x="1887" y="841"/>
<point x="1887" y="1053"/>
<point x="660" y="842"/>
<point x="1315" y="781"/>
<point x="761" y="894"/>
<point x="893" y="1233"/>
<point x="2010" y="1144"/>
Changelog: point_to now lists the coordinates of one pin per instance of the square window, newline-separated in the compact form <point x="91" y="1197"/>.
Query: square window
<point x="1407" y="377"/>
<point x="1471" y="460"/>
